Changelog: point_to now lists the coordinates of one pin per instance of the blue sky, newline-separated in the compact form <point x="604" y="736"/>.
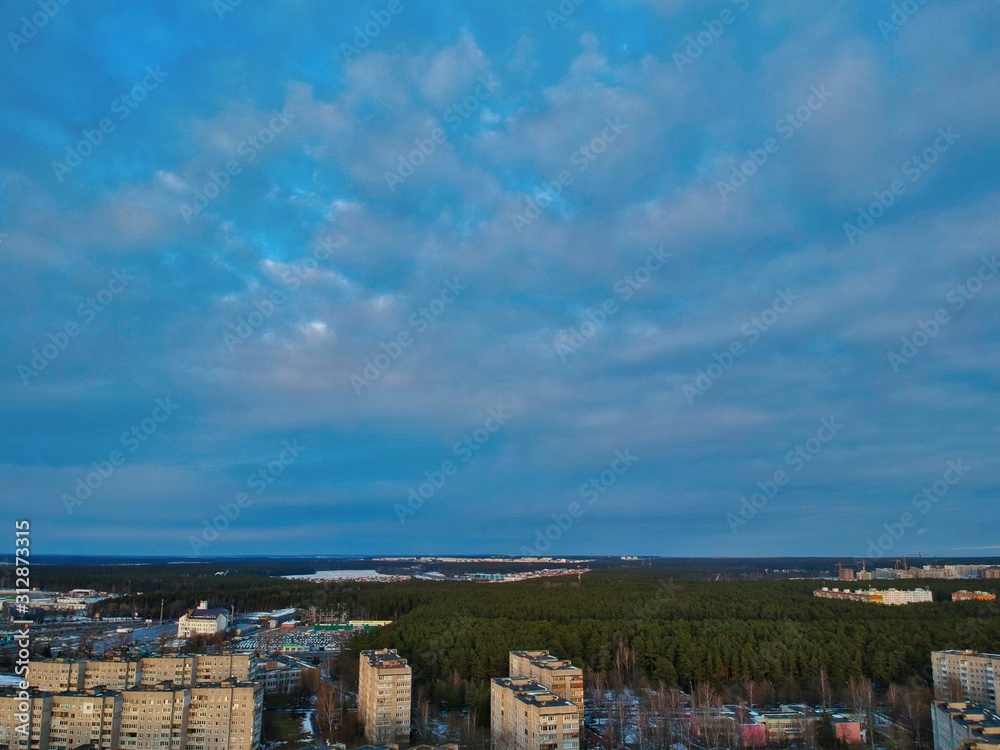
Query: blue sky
<point x="455" y="277"/>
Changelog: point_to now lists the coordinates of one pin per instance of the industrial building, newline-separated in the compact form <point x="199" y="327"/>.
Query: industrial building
<point x="385" y="683"/>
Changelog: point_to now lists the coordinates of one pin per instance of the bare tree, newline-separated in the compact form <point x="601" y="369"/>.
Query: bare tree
<point x="329" y="709"/>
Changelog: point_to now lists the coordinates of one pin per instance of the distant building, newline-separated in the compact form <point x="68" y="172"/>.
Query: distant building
<point x="113" y="675"/>
<point x="384" y="696"/>
<point x="559" y="676"/>
<point x="959" y="724"/>
<point x="878" y="596"/>
<point x="178" y="670"/>
<point x="202" y="621"/>
<point x="56" y="675"/>
<point x="525" y="715"/>
<point x="967" y="676"/>
<point x="973" y="596"/>
<point x="225" y="666"/>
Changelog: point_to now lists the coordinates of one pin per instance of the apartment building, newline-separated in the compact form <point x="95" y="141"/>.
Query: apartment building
<point x="154" y="718"/>
<point x="221" y="716"/>
<point x="179" y="670"/>
<point x="227" y="666"/>
<point x="56" y="675"/>
<point x="973" y="596"/>
<point x="559" y="676"/>
<point x="525" y="715"/>
<point x="226" y="716"/>
<point x="384" y="696"/>
<point x="893" y="597"/>
<point x="113" y="675"/>
<point x="959" y="724"/>
<point x="966" y="675"/>
<point x="85" y="717"/>
<point x="30" y="710"/>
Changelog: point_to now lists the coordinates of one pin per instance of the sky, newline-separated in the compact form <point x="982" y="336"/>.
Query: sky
<point x="656" y="277"/>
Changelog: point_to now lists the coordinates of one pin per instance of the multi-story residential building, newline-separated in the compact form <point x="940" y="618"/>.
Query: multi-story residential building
<point x="56" y="675"/>
<point x="966" y="675"/>
<point x="154" y="718"/>
<point x="114" y="675"/>
<point x="559" y="676"/>
<point x="878" y="596"/>
<point x="29" y="710"/>
<point x="85" y="717"/>
<point x="220" y="716"/>
<point x="959" y="724"/>
<point x="384" y="696"/>
<point x="179" y="670"/>
<point x="226" y="666"/>
<point x="204" y="620"/>
<point x="973" y="596"/>
<point x="226" y="716"/>
<point x="525" y="715"/>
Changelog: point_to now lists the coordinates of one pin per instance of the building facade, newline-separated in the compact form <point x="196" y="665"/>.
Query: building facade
<point x="525" y="715"/>
<point x="30" y="710"/>
<point x="559" y="676"/>
<point x="959" y="724"/>
<point x="222" y="716"/>
<point x="878" y="596"/>
<point x="204" y="620"/>
<point x="385" y="683"/>
<point x="966" y="675"/>
<point x="85" y="717"/>
<point x="114" y="675"/>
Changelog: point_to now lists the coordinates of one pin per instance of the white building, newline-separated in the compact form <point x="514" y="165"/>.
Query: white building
<point x="202" y="621"/>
